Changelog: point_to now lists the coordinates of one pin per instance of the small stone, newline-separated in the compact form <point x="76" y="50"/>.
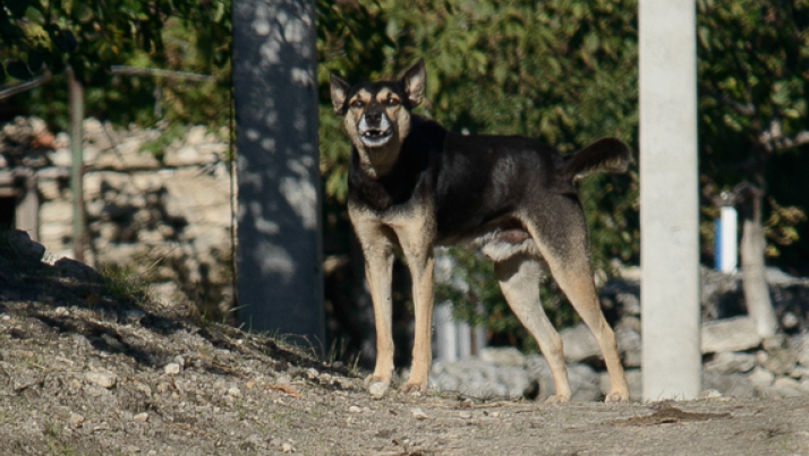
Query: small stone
<point x="354" y="409"/>
<point x="287" y="447"/>
<point x="761" y="377"/>
<point x="710" y="394"/>
<point x="418" y="413"/>
<point x="172" y="369"/>
<point x="790" y="320"/>
<point x="104" y="379"/>
<point x="377" y="389"/>
<point x="141" y="417"/>
<point x="729" y="335"/>
<point x="61" y="312"/>
<point x="75" y="420"/>
<point x="234" y="391"/>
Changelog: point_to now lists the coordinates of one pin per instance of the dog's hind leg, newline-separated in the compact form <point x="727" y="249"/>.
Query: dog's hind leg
<point x="519" y="277"/>
<point x="562" y="241"/>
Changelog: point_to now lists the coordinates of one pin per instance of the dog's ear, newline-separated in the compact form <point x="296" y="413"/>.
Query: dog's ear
<point x="339" y="92"/>
<point x="415" y="82"/>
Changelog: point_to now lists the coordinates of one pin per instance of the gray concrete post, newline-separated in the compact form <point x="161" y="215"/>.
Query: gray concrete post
<point x="280" y="286"/>
<point x="671" y="359"/>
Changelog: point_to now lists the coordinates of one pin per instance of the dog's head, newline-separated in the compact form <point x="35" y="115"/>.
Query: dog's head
<point x="377" y="114"/>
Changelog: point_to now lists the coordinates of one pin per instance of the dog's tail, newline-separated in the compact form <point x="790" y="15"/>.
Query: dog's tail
<point x="605" y="155"/>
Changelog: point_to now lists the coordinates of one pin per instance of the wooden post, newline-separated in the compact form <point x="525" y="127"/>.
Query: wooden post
<point x="76" y="101"/>
<point x="671" y="359"/>
<point x="279" y="270"/>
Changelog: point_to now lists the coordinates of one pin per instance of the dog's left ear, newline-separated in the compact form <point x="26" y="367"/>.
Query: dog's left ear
<point x="415" y="82"/>
<point x="339" y="92"/>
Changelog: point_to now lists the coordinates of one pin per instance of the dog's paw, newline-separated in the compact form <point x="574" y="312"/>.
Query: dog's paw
<point x="376" y="386"/>
<point x="415" y="389"/>
<point x="616" y="396"/>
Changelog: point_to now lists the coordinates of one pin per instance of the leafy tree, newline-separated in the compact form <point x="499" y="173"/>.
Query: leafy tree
<point x="41" y="36"/>
<point x="753" y="85"/>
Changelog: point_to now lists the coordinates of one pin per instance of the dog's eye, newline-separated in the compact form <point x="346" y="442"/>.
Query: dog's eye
<point x="392" y="101"/>
<point x="357" y="103"/>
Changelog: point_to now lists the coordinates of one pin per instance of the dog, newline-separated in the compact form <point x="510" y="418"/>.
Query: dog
<point x="414" y="185"/>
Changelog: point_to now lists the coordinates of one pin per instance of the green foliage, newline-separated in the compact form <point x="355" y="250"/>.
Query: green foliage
<point x="42" y="36"/>
<point x="753" y="89"/>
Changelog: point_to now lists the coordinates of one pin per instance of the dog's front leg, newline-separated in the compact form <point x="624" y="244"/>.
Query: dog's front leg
<point x="378" y="273"/>
<point x="419" y="255"/>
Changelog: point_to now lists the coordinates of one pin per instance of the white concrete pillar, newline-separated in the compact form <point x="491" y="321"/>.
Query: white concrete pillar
<point x="446" y="334"/>
<point x="671" y="358"/>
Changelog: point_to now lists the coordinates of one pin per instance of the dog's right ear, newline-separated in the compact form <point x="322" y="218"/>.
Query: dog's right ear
<point x="339" y="92"/>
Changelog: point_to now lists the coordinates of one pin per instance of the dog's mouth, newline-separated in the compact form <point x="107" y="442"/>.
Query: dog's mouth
<point x="374" y="137"/>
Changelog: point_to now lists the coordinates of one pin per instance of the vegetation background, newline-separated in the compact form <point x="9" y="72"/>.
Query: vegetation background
<point x="563" y="71"/>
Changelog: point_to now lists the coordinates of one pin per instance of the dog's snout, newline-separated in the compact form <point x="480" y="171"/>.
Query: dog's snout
<point x="373" y="117"/>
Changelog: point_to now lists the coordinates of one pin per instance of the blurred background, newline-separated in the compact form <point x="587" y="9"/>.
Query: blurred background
<point x="159" y="129"/>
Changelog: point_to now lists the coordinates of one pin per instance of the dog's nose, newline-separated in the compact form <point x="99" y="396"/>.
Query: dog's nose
<point x="373" y="118"/>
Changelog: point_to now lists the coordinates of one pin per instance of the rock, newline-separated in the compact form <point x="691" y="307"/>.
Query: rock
<point x="787" y="387"/>
<point x="634" y="380"/>
<point x="141" y="417"/>
<point x="502" y="356"/>
<point x="479" y="379"/>
<point x="801" y="345"/>
<point x="729" y="335"/>
<point x="760" y="377"/>
<point x="102" y="378"/>
<point x="75" y="420"/>
<point x="579" y="344"/>
<point x="25" y="248"/>
<point x="584" y="383"/>
<point x="172" y="368"/>
<point x="629" y="345"/>
<point x="418" y="413"/>
<point x="730" y="384"/>
<point x="728" y="362"/>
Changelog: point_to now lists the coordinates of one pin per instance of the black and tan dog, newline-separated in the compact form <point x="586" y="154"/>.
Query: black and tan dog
<point x="414" y="185"/>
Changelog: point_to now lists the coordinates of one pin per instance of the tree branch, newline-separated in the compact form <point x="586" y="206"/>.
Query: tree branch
<point x="25" y="86"/>
<point x="171" y="74"/>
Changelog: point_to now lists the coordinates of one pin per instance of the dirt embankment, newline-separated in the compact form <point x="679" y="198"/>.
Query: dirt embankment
<point x="85" y="368"/>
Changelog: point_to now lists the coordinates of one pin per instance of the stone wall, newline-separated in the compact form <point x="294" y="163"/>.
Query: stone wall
<point x="164" y="221"/>
<point x="736" y="361"/>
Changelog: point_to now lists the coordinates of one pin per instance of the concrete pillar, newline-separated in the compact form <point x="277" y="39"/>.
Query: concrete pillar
<point x="280" y="286"/>
<point x="670" y="292"/>
<point x="446" y="333"/>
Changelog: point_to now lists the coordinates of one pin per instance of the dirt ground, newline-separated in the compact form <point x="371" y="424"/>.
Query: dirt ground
<point x="87" y="370"/>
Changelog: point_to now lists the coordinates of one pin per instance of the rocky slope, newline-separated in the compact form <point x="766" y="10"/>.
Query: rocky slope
<point x="88" y="366"/>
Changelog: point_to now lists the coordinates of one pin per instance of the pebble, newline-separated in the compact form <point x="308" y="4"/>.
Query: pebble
<point x="141" y="417"/>
<point x="172" y="368"/>
<point x="418" y="413"/>
<point x="101" y="378"/>
<point x="354" y="409"/>
<point x="61" y="312"/>
<point x="75" y="420"/>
